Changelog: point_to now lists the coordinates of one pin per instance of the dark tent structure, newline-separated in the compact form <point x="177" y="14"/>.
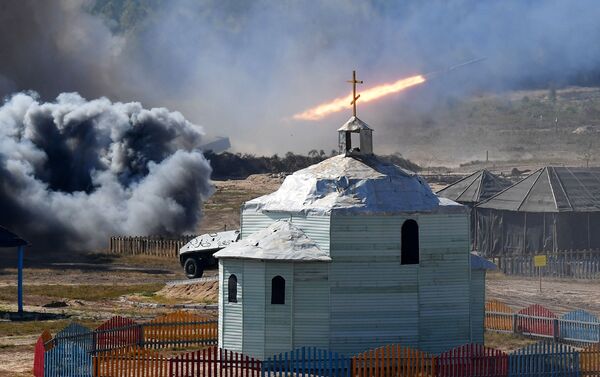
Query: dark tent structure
<point x="9" y="239"/>
<point x="554" y="210"/>
<point x="475" y="188"/>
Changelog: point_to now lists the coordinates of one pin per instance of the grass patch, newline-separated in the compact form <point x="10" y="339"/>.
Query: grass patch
<point x="80" y="292"/>
<point x="506" y="342"/>
<point x="36" y="327"/>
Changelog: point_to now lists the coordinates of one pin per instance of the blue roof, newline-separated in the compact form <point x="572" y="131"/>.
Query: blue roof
<point x="9" y="239"/>
<point x="480" y="263"/>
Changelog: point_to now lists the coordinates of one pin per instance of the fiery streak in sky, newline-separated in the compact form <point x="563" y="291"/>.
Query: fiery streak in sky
<point x="367" y="95"/>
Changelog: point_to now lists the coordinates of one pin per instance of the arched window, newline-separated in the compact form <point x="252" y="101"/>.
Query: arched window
<point x="278" y="290"/>
<point x="232" y="288"/>
<point x="410" y="243"/>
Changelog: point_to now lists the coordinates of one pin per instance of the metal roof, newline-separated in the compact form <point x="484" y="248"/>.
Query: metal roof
<point x="354" y="124"/>
<point x="552" y="189"/>
<point x="9" y="239"/>
<point x="475" y="188"/>
<point x="281" y="241"/>
<point x="353" y="184"/>
<point x="480" y="263"/>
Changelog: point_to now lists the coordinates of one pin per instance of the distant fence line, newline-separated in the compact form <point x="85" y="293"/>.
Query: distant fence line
<point x="148" y="245"/>
<point x="577" y="264"/>
<point x="577" y="326"/>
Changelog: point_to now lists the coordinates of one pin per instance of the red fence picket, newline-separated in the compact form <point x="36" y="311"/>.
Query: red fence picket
<point x="472" y="360"/>
<point x="214" y="362"/>
<point x="117" y="332"/>
<point x="42" y="344"/>
<point x="536" y="320"/>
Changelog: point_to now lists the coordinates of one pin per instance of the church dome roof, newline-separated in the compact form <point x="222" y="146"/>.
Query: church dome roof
<point x="363" y="184"/>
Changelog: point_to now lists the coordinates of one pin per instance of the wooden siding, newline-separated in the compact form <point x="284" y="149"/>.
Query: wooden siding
<point x="311" y="305"/>
<point x="232" y="312"/>
<point x="278" y="318"/>
<point x="477" y="306"/>
<point x="316" y="227"/>
<point x="415" y="303"/>
<point x="254" y="309"/>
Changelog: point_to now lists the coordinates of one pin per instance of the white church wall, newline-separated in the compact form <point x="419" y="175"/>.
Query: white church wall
<point x="278" y="318"/>
<point x="375" y="300"/>
<point x="254" y="308"/>
<point x="311" y="305"/>
<point x="315" y="226"/>
<point x="231" y="312"/>
<point x="444" y="282"/>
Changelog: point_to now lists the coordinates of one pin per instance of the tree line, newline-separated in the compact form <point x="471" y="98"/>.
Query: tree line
<point x="228" y="165"/>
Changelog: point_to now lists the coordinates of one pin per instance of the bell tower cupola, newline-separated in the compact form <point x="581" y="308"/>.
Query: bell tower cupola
<point x="364" y="144"/>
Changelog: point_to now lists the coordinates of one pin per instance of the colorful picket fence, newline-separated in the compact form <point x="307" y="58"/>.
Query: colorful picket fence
<point x="180" y="329"/>
<point x="576" y="327"/>
<point x="118" y="332"/>
<point x="130" y="361"/>
<point x="393" y="360"/>
<point x="536" y="320"/>
<point x="67" y="359"/>
<point x="579" y="326"/>
<point x="42" y="345"/>
<point x="472" y="360"/>
<point x="214" y="362"/>
<point x="589" y="360"/>
<point x="499" y="316"/>
<point x="545" y="359"/>
<point x="307" y="361"/>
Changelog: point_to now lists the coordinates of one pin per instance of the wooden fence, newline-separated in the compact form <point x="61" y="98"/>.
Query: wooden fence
<point x="576" y="264"/>
<point x="214" y="362"/>
<point x="71" y="350"/>
<point x="471" y="360"/>
<point x="150" y="245"/>
<point x="577" y="327"/>
<point x="393" y="360"/>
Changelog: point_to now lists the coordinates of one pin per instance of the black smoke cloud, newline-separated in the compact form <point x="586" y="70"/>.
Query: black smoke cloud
<point x="73" y="171"/>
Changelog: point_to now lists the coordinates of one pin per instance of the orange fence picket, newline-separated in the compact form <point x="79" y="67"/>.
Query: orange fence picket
<point x="589" y="360"/>
<point x="393" y="360"/>
<point x="131" y="361"/>
<point x="117" y="332"/>
<point x="180" y="329"/>
<point x="498" y="316"/>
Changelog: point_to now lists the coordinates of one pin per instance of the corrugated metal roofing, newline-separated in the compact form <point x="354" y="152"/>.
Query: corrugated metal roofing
<point x="475" y="188"/>
<point x="9" y="239"/>
<point x="353" y="184"/>
<point x="282" y="240"/>
<point x="354" y="124"/>
<point x="552" y="189"/>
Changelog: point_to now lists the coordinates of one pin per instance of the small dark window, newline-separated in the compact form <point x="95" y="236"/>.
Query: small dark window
<point x="232" y="289"/>
<point x="278" y="290"/>
<point x="410" y="243"/>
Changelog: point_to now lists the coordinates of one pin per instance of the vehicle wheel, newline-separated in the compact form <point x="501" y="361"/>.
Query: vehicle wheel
<point x="193" y="268"/>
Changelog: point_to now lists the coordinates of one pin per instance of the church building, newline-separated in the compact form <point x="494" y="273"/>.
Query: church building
<point x="350" y="254"/>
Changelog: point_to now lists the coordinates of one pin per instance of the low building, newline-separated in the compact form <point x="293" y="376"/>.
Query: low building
<point x="350" y="254"/>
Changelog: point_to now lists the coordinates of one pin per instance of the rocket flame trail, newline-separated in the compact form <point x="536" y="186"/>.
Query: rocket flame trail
<point x="367" y="95"/>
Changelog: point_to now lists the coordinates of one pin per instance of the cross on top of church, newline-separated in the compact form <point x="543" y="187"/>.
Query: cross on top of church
<point x="354" y="81"/>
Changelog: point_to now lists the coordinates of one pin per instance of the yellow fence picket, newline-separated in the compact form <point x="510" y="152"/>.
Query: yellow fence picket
<point x="393" y="360"/>
<point x="498" y="316"/>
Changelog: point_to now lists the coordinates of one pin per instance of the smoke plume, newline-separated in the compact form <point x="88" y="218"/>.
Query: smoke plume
<point x="73" y="171"/>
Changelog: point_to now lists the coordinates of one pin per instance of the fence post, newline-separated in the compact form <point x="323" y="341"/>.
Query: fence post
<point x="555" y="328"/>
<point x="141" y="341"/>
<point x="515" y="323"/>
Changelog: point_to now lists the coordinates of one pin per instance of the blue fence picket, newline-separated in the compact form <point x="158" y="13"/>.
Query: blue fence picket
<point x="544" y="359"/>
<point x="78" y="334"/>
<point x="579" y="326"/>
<point x="67" y="360"/>
<point x="307" y="361"/>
